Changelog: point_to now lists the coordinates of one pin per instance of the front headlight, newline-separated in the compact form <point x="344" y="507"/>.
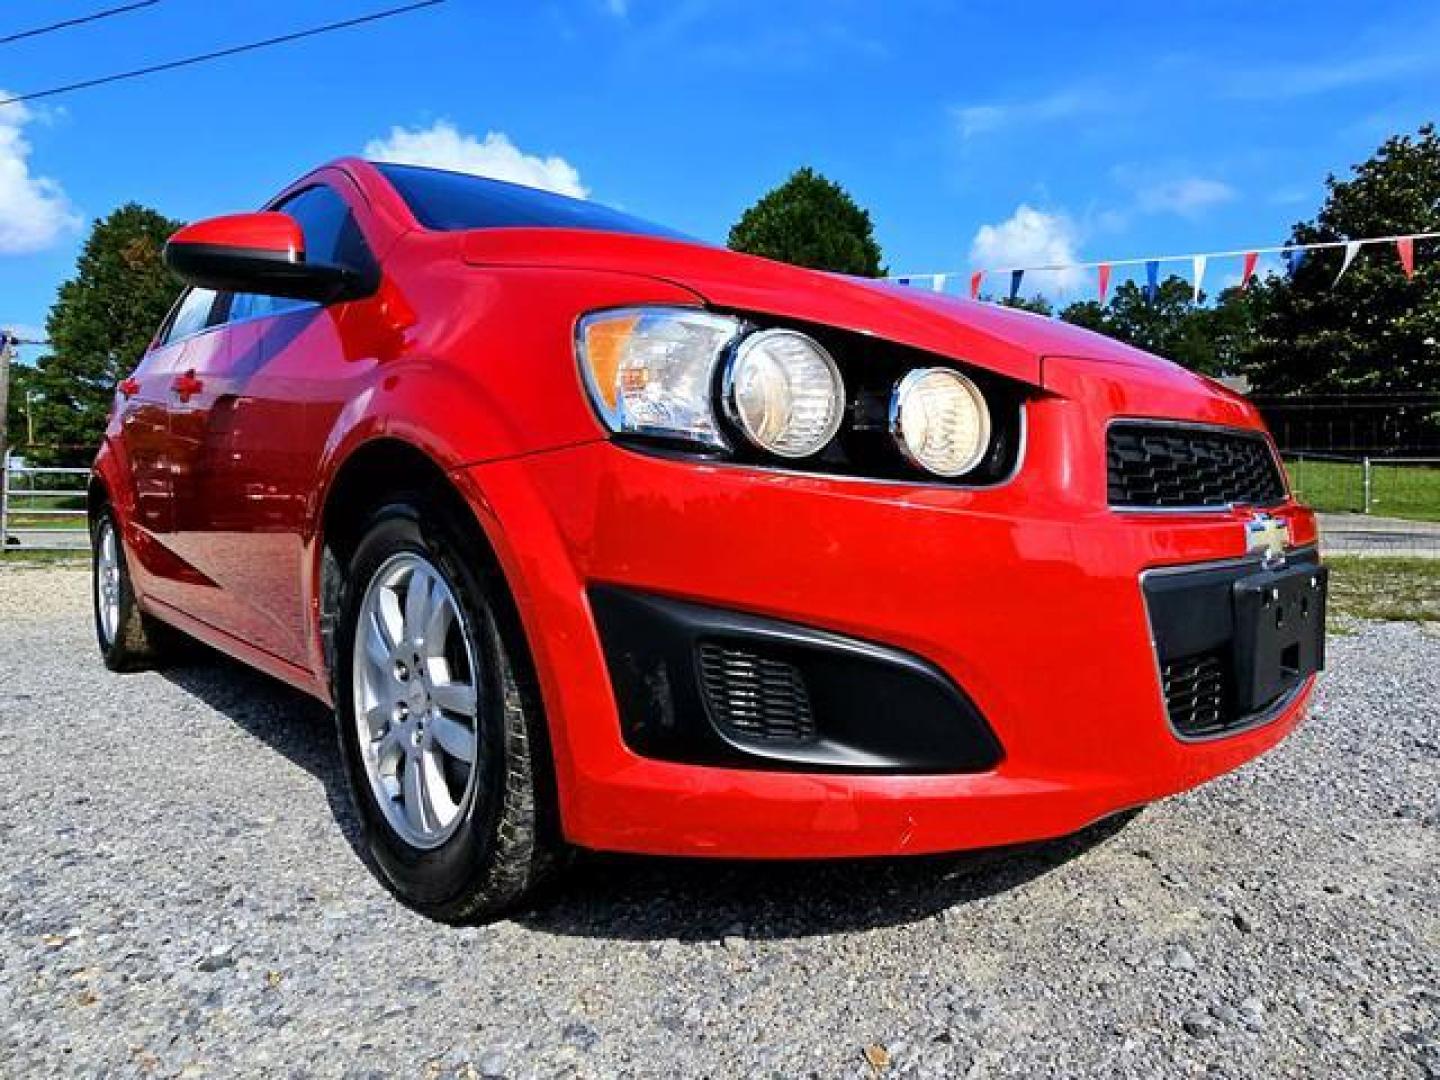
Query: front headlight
<point x="940" y="421"/>
<point x="651" y="371"/>
<point x="784" y="392"/>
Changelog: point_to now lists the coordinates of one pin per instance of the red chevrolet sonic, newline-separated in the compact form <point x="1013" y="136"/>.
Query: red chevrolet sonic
<point x="596" y="536"/>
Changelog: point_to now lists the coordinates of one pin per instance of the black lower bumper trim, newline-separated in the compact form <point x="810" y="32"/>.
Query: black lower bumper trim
<point x="707" y="686"/>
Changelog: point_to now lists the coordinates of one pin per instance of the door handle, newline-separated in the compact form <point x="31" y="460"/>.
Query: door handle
<point x="128" y="387"/>
<point x="187" y="386"/>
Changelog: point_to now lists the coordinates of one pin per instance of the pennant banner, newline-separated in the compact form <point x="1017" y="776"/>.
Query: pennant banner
<point x="1352" y="248"/>
<point x="1294" y="256"/>
<point x="1405" y="248"/>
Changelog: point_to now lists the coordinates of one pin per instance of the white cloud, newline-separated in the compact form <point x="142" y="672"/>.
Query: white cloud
<point x="444" y="146"/>
<point x="34" y="211"/>
<point x="1188" y="196"/>
<point x="1031" y="237"/>
<point x="973" y="120"/>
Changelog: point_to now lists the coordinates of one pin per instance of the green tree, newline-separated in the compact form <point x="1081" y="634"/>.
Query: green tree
<point x="100" y="325"/>
<point x="1372" y="330"/>
<point x="810" y="221"/>
<point x="1202" y="337"/>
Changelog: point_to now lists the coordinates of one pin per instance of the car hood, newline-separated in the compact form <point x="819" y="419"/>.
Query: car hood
<point x="1004" y="340"/>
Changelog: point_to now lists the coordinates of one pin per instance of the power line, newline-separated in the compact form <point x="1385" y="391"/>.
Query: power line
<point x="219" y="54"/>
<point x="80" y="21"/>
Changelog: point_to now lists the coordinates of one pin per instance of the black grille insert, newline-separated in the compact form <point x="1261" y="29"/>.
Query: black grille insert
<point x="1159" y="466"/>
<point x="1198" y="695"/>
<point x="754" y="696"/>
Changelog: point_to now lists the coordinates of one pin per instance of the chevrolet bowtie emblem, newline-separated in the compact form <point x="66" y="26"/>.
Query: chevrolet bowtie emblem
<point x="1267" y="536"/>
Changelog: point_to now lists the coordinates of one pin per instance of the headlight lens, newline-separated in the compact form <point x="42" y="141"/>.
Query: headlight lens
<point x="650" y="370"/>
<point x="940" y="421"/>
<point x="784" y="392"/>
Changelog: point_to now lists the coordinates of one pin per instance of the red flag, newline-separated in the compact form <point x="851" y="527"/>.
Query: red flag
<point x="1104" y="282"/>
<point x="1405" y="246"/>
<point x="1249" y="271"/>
<point x="975" y="279"/>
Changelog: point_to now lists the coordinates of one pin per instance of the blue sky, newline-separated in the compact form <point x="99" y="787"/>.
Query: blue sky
<point x="975" y="133"/>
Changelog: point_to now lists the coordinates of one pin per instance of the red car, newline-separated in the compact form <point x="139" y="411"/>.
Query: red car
<point x="595" y="536"/>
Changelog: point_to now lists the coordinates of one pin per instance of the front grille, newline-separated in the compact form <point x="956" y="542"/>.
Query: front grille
<point x="754" y="696"/>
<point x="1159" y="466"/>
<point x="1197" y="694"/>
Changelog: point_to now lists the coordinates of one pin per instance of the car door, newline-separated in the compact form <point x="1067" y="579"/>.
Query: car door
<point x="252" y="436"/>
<point x="143" y="425"/>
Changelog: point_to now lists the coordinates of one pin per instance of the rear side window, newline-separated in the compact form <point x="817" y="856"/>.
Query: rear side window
<point x="448" y="201"/>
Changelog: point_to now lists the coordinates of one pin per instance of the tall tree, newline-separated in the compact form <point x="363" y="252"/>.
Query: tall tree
<point x="810" y="221"/>
<point x="1209" y="338"/>
<point x="1373" y="330"/>
<point x="100" y="325"/>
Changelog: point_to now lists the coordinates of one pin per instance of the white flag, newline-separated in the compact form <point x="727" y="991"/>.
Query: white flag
<point x="1352" y="248"/>
<point x="940" y="282"/>
<point x="1199" y="275"/>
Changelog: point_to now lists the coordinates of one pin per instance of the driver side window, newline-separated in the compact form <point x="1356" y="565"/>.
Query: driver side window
<point x="332" y="235"/>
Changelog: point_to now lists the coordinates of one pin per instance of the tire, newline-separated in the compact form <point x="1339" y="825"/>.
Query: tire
<point x="129" y="639"/>
<point x="458" y="841"/>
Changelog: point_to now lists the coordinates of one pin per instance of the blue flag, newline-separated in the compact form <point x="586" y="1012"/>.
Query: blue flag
<point x="1016" y="276"/>
<point x="902" y="281"/>
<point x="1152" y="279"/>
<point x="1295" y="258"/>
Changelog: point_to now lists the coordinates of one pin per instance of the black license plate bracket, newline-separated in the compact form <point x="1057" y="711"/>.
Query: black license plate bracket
<point x="1279" y="632"/>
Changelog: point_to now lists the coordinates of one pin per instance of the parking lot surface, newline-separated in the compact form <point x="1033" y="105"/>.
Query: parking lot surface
<point x="179" y="896"/>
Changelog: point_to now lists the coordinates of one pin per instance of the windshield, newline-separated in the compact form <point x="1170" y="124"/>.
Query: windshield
<point x="448" y="201"/>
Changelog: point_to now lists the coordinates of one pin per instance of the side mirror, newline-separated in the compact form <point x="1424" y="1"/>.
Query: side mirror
<point x="260" y="253"/>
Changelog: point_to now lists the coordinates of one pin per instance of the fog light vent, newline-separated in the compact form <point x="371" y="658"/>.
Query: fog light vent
<point x="754" y="696"/>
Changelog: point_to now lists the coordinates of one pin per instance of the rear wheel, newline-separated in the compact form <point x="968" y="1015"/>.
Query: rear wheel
<point x="439" y="723"/>
<point x="129" y="639"/>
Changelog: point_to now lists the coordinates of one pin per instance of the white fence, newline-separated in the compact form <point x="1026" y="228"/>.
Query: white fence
<point x="43" y="509"/>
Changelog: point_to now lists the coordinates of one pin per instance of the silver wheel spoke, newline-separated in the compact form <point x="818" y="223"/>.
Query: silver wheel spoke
<point x="390" y="619"/>
<point x="417" y="603"/>
<point x="455" y="697"/>
<point x="440" y="808"/>
<point x="412" y="793"/>
<point x="454" y="738"/>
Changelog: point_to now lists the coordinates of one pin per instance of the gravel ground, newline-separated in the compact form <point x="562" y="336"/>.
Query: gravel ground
<point x="179" y="897"/>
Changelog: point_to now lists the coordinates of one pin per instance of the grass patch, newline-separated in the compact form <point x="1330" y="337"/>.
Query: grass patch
<point x="18" y="557"/>
<point x="1400" y="491"/>
<point x="1395" y="590"/>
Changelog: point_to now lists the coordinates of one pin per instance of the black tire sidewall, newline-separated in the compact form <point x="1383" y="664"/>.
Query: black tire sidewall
<point x="430" y="878"/>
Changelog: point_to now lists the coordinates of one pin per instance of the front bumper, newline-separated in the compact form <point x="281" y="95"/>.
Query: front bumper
<point x="1027" y="596"/>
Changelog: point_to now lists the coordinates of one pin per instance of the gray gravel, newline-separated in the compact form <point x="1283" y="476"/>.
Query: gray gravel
<point x="179" y="897"/>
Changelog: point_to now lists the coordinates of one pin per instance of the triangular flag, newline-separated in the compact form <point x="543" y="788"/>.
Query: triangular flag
<point x="1352" y="248"/>
<point x="940" y="282"/>
<point x="1015" y="278"/>
<point x="1104" y="282"/>
<point x="1405" y="247"/>
<point x="902" y="281"/>
<point x="975" y="279"/>
<point x="1295" y="258"/>
<point x="1249" y="269"/>
<point x="1199" y="261"/>
<point x="1152" y="279"/>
